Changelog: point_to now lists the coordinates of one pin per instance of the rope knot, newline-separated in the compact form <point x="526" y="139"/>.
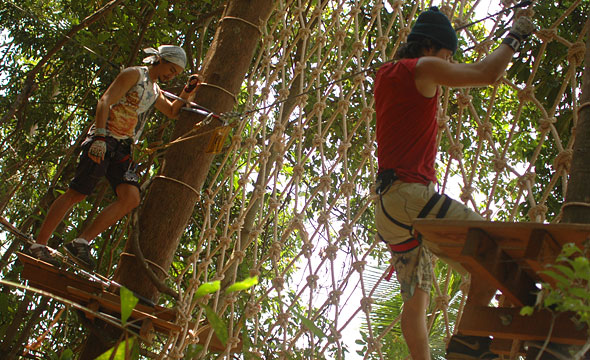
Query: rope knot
<point x="563" y="160"/>
<point x="346" y="230"/>
<point x="376" y="9"/>
<point x="545" y="123"/>
<point x="298" y="170"/>
<point x="499" y="164"/>
<point x="366" y="303"/>
<point x="339" y="37"/>
<point x="283" y="319"/>
<point x="537" y="212"/>
<point x="526" y="180"/>
<point x="275" y="249"/>
<point x="254" y="272"/>
<point x="576" y="53"/>
<point x="312" y="281"/>
<point x="456" y="151"/>
<point x="343" y="147"/>
<point x="382" y="41"/>
<point x="527" y="94"/>
<point x="330" y="251"/>
<point x="343" y="106"/>
<point x="442" y="120"/>
<point x="335" y="297"/>
<point x="547" y="35"/>
<point x="464" y="100"/>
<point x="466" y="192"/>
<point x="224" y="242"/>
<point x="404" y="32"/>
<point x="325" y="182"/>
<point x="442" y="301"/>
<point x="460" y="22"/>
<point x="359" y="266"/>
<point x="484" y="130"/>
<point x="283" y="94"/>
<point x="278" y="283"/>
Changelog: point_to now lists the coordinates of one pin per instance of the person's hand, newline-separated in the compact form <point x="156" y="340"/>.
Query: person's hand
<point x="522" y="27"/>
<point x="97" y="149"/>
<point x="193" y="81"/>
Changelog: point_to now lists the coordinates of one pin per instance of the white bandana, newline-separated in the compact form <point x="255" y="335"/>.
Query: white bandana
<point x="174" y="54"/>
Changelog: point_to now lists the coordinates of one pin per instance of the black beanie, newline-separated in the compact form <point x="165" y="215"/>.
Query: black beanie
<point x="436" y="26"/>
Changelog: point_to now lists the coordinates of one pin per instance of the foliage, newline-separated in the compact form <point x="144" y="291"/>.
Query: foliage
<point x="571" y="290"/>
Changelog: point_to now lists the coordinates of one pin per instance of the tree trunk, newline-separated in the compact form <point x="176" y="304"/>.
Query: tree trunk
<point x="578" y="190"/>
<point x="169" y="205"/>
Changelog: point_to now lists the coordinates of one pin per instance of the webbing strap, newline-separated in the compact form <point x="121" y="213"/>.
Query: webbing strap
<point x="400" y="224"/>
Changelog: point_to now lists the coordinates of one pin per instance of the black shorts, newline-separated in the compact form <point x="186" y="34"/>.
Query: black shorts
<point x="116" y="163"/>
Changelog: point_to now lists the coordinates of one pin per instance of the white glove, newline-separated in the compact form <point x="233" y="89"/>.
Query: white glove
<point x="98" y="148"/>
<point x="522" y="28"/>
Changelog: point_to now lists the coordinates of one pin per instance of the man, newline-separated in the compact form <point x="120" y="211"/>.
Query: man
<point x="406" y="101"/>
<point x="107" y="149"/>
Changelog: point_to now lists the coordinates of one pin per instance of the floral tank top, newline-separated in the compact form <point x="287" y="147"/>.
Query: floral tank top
<point x="123" y="115"/>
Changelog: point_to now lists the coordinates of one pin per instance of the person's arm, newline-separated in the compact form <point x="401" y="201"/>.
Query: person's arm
<point x="437" y="71"/>
<point x="118" y="88"/>
<point x="172" y="108"/>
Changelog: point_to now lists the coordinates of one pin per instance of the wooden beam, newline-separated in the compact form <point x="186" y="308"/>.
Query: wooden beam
<point x="541" y="249"/>
<point x="484" y="257"/>
<point x="507" y="323"/>
<point x="505" y="347"/>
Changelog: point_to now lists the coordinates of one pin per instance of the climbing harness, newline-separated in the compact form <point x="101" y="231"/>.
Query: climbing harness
<point x="384" y="181"/>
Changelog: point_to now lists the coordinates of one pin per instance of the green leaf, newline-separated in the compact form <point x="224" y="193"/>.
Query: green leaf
<point x="67" y="354"/>
<point x="129" y="344"/>
<point x="207" y="288"/>
<point x="103" y="36"/>
<point x="217" y="324"/>
<point x="192" y="350"/>
<point x="566" y="270"/>
<point x="128" y="302"/>
<point x="243" y="285"/>
<point x="526" y="311"/>
<point x="311" y="326"/>
<point x="558" y="277"/>
<point x="579" y="292"/>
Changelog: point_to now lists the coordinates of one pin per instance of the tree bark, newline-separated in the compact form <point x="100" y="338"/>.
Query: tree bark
<point x="578" y="190"/>
<point x="169" y="205"/>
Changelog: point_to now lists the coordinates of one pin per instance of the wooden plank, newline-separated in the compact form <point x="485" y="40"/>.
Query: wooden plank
<point x="507" y="323"/>
<point x="160" y="325"/>
<point x="54" y="280"/>
<point x="482" y="255"/>
<point x="507" y="234"/>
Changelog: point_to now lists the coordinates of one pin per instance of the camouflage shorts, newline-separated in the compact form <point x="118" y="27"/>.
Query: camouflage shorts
<point x="413" y="269"/>
<point x="404" y="201"/>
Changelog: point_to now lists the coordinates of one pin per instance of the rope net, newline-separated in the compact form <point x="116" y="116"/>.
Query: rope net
<point x="290" y="197"/>
<point x="296" y="181"/>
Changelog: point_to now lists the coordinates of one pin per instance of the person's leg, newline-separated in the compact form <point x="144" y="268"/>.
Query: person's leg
<point x="58" y="209"/>
<point x="413" y="324"/>
<point x="127" y="200"/>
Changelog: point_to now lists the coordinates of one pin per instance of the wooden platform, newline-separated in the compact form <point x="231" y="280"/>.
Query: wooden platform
<point x="508" y="256"/>
<point x="145" y="319"/>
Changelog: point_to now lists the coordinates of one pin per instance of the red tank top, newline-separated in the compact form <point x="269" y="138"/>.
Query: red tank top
<point x="406" y="124"/>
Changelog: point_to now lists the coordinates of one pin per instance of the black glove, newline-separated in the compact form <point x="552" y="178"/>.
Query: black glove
<point x="192" y="83"/>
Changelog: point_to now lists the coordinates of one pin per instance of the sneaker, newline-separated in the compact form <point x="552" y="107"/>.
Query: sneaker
<point x="42" y="253"/>
<point x="79" y="251"/>
<point x="462" y="347"/>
